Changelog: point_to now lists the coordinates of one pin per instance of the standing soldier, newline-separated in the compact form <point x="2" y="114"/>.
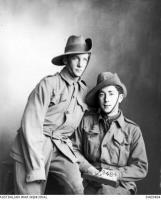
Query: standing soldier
<point x="53" y="111"/>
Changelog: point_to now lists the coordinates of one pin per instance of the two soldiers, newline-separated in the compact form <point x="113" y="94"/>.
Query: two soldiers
<point x="104" y="138"/>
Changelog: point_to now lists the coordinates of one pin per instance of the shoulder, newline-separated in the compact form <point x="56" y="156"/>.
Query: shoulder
<point x="47" y="84"/>
<point x="90" y="116"/>
<point x="132" y="128"/>
<point x="91" y="113"/>
<point x="89" y="120"/>
<point x="130" y="122"/>
<point x="50" y="79"/>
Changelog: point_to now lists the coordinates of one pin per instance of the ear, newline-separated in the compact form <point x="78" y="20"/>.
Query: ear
<point x="121" y="97"/>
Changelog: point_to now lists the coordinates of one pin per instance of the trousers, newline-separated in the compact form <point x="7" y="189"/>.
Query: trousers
<point x="60" y="166"/>
<point x="101" y="189"/>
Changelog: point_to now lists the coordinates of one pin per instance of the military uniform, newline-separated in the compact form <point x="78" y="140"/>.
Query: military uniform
<point x="53" y="111"/>
<point x="119" y="146"/>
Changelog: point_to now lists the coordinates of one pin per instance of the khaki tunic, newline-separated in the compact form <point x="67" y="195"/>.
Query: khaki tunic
<point x="121" y="147"/>
<point x="53" y="111"/>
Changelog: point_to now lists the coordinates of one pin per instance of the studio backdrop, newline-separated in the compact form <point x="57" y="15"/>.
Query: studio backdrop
<point x="126" y="38"/>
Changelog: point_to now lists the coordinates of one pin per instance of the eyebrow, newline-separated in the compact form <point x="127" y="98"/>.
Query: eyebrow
<point x="110" y="91"/>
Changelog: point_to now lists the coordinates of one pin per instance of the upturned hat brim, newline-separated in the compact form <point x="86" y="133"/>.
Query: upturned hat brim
<point x="58" y="60"/>
<point x="91" y="98"/>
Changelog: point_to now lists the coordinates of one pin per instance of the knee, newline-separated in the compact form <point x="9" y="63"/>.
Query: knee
<point x="76" y="184"/>
<point x="61" y="184"/>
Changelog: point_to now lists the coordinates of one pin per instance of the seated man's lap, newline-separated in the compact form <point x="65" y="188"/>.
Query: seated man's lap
<point x="96" y="188"/>
<point x="66" y="172"/>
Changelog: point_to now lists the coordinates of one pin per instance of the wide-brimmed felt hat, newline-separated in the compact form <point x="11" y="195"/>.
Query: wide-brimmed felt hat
<point x="104" y="79"/>
<point x="75" y="45"/>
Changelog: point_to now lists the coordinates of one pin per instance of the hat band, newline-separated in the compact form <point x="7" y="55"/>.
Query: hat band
<point x="76" y="47"/>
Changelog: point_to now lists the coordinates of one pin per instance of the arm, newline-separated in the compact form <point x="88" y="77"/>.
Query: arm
<point x="137" y="166"/>
<point x="32" y="129"/>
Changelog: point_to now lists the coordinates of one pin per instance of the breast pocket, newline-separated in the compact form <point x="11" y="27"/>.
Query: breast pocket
<point x="57" y="99"/>
<point x="92" y="144"/>
<point x="57" y="104"/>
<point x="124" y="152"/>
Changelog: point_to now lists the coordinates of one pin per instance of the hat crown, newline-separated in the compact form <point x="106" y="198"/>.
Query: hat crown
<point x="78" y="44"/>
<point x="75" y="45"/>
<point x="108" y="76"/>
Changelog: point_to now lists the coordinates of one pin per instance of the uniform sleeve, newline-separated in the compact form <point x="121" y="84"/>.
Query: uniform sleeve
<point x="78" y="143"/>
<point x="137" y="166"/>
<point x="32" y="128"/>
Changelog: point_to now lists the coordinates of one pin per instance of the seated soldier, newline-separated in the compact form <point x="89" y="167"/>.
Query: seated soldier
<point x="105" y="139"/>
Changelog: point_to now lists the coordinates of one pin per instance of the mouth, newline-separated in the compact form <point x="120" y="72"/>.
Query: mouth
<point x="107" y="106"/>
<point x="78" y="70"/>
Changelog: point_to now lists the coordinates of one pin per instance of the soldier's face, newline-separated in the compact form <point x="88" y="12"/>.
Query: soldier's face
<point x="77" y="64"/>
<point x="109" y="99"/>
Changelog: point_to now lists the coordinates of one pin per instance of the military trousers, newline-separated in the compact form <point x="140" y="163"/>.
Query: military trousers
<point x="67" y="172"/>
<point x="101" y="189"/>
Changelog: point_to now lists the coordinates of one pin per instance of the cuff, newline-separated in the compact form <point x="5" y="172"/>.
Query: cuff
<point x="36" y="175"/>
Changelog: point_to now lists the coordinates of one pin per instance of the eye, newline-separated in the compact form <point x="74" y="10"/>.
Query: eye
<point x="74" y="58"/>
<point x="85" y="59"/>
<point x="101" y="94"/>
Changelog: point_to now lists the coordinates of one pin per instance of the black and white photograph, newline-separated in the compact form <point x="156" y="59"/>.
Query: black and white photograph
<point x="80" y="98"/>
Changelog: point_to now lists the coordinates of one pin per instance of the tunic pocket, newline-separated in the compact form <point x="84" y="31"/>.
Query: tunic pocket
<point x="57" y="99"/>
<point x="54" y="100"/>
<point x="92" y="145"/>
<point x="124" y="153"/>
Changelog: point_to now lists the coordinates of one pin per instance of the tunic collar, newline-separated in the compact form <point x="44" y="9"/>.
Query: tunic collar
<point x="119" y="120"/>
<point x="119" y="136"/>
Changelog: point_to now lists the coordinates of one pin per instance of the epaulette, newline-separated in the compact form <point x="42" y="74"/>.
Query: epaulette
<point x="130" y="121"/>
<point x="48" y="76"/>
<point x="51" y="75"/>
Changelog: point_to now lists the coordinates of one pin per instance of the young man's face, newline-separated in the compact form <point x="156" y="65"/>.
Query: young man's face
<point x="77" y="64"/>
<point x="109" y="99"/>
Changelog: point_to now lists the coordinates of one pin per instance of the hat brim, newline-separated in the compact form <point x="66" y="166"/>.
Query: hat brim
<point x="91" y="98"/>
<point x="58" y="60"/>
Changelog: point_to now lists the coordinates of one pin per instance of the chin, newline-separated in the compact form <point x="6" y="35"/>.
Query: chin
<point x="107" y="110"/>
<point x="78" y="75"/>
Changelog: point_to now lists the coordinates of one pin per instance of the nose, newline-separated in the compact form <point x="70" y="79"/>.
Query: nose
<point x="79" y="63"/>
<point x="106" y="98"/>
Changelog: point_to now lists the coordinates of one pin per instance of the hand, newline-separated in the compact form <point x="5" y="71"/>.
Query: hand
<point x="92" y="170"/>
<point x="112" y="174"/>
<point x="117" y="172"/>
